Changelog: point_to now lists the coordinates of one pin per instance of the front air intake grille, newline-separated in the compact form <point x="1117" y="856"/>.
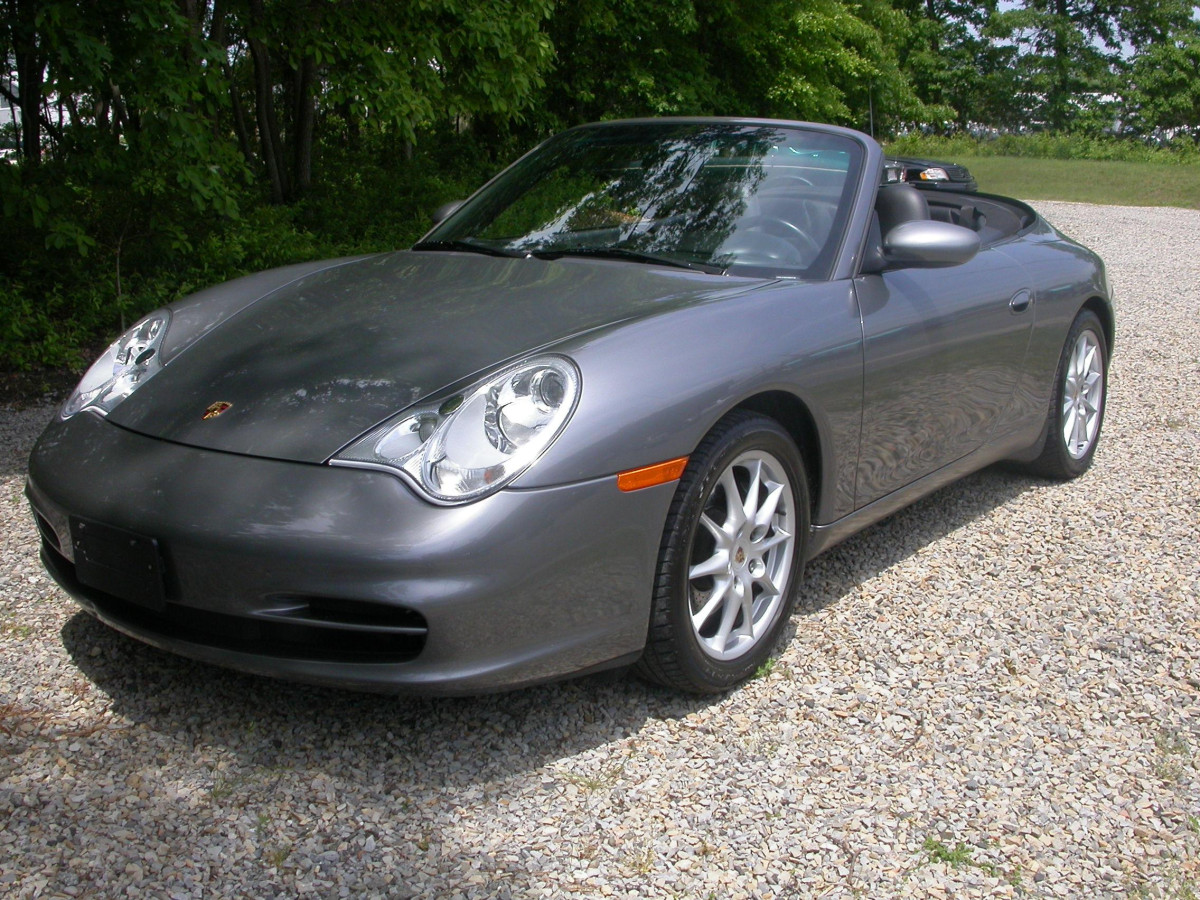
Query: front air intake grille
<point x="323" y="636"/>
<point x="47" y="531"/>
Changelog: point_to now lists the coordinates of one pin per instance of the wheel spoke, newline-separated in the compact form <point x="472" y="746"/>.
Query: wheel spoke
<point x="1079" y="435"/>
<point x="1087" y="361"/>
<point x="735" y="516"/>
<point x="720" y="589"/>
<point x="750" y="501"/>
<point x="766" y="512"/>
<point x="1079" y="359"/>
<point x="747" y="629"/>
<point x="716" y="564"/>
<point x="768" y="586"/>
<point x="719" y="534"/>
<point x="779" y="537"/>
<point x="733" y="603"/>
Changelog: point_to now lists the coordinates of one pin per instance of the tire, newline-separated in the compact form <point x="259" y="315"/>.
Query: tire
<point x="727" y="584"/>
<point x="1077" y="405"/>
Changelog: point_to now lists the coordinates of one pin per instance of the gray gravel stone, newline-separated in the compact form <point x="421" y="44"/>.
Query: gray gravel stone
<point x="994" y="693"/>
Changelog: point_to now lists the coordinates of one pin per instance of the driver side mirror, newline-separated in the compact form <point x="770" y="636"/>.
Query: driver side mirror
<point x="927" y="244"/>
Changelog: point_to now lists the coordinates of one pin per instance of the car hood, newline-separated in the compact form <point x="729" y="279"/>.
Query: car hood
<point x="917" y="161"/>
<point x="309" y="366"/>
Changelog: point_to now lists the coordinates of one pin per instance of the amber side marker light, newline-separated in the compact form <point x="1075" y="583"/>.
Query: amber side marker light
<point x="649" y="476"/>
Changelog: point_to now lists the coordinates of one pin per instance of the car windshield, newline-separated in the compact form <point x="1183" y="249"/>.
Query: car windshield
<point x="748" y="199"/>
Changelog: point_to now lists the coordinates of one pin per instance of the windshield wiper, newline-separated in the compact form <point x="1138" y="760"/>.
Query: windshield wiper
<point x="470" y="247"/>
<point x="631" y="255"/>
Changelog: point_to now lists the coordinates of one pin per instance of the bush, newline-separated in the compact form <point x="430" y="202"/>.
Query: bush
<point x="83" y="253"/>
<point x="1044" y="145"/>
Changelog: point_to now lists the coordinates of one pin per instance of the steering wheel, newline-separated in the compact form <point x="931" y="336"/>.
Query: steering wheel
<point x="784" y="179"/>
<point x="781" y="228"/>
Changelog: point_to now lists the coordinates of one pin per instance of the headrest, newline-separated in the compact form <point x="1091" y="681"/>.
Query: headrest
<point x="896" y="203"/>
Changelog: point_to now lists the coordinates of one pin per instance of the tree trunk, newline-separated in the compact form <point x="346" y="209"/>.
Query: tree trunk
<point x="1061" y="90"/>
<point x="31" y="73"/>
<point x="217" y="32"/>
<point x="218" y="37"/>
<point x="305" y="118"/>
<point x="239" y="119"/>
<point x="268" y="135"/>
<point x="264" y="103"/>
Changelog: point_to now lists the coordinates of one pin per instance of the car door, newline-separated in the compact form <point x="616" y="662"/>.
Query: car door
<point x="943" y="349"/>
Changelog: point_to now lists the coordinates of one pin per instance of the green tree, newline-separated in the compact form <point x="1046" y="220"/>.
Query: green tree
<point x="823" y="60"/>
<point x="950" y="63"/>
<point x="1165" y="96"/>
<point x="1065" y="51"/>
<point x="615" y="58"/>
<point x="373" y="64"/>
<point x="149" y="127"/>
<point x="1071" y="54"/>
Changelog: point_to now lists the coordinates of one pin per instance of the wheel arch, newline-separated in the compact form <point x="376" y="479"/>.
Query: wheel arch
<point x="797" y="420"/>
<point x="1104" y="313"/>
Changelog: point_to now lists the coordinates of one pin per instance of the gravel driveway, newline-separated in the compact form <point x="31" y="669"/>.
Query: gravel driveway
<point x="993" y="693"/>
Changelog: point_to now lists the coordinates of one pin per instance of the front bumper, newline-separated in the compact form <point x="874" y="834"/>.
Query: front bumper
<point x="343" y="576"/>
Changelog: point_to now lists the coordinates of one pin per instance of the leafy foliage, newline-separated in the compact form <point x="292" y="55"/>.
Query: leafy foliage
<point x="1046" y="145"/>
<point x="166" y="144"/>
<point x="1166" y="91"/>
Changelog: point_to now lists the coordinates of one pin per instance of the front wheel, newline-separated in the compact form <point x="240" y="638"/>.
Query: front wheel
<point x="731" y="557"/>
<point x="1077" y="406"/>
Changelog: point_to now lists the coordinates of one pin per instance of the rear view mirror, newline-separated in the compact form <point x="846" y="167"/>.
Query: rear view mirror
<point x="928" y="244"/>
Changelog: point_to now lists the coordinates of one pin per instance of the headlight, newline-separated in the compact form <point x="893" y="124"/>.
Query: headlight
<point x="935" y="174"/>
<point x="478" y="441"/>
<point x="130" y="362"/>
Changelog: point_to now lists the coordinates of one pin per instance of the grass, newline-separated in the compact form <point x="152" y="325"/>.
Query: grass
<point x="765" y="670"/>
<point x="1173" y="755"/>
<point x="1087" y="181"/>
<point x="640" y="861"/>
<point x="962" y="856"/>
<point x="957" y="858"/>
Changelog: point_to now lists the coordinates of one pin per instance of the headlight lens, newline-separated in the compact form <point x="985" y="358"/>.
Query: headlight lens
<point x="129" y="363"/>
<point x="935" y="174"/>
<point x="480" y="440"/>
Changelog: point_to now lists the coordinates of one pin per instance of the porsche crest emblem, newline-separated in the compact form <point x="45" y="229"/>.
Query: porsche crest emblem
<point x="215" y="409"/>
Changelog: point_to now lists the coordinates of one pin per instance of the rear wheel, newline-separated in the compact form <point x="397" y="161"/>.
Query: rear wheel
<point x="731" y="557"/>
<point x="1077" y="407"/>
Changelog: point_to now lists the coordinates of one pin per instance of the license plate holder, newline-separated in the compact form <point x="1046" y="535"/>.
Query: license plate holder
<point x="118" y="562"/>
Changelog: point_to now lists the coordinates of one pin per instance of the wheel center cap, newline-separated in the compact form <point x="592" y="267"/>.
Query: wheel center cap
<point x="739" y="557"/>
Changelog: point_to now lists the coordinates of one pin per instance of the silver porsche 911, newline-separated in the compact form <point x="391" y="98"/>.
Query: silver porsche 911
<point x="601" y="415"/>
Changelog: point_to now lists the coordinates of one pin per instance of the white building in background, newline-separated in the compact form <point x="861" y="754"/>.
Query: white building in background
<point x="10" y="117"/>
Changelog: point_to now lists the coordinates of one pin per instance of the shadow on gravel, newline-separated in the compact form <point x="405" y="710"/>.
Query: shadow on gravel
<point x="838" y="571"/>
<point x="457" y="742"/>
<point x="452" y="742"/>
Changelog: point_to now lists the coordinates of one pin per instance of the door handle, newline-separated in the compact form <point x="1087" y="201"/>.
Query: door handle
<point x="1021" y="301"/>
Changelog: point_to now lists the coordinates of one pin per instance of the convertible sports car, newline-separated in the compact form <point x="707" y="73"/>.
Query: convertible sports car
<point x="601" y="415"/>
